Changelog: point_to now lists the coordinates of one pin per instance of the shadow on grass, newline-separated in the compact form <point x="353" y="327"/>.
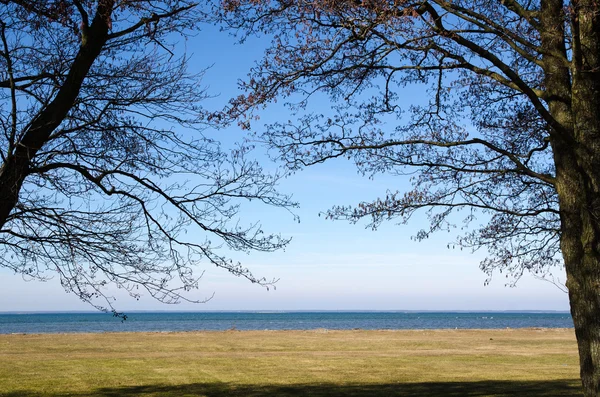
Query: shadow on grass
<point x="432" y="389"/>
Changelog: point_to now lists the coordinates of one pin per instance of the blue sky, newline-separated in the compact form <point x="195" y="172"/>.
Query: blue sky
<point x="328" y="265"/>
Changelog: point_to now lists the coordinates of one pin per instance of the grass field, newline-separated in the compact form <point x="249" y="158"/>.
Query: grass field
<point x="529" y="362"/>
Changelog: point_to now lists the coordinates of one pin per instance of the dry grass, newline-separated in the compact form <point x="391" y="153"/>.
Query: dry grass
<point x="532" y="362"/>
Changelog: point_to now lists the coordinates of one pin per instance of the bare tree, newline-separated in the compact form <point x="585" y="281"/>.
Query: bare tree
<point x="510" y="132"/>
<point x="106" y="177"/>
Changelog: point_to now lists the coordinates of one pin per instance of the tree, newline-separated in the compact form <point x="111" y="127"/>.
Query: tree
<point x="105" y="167"/>
<point x="510" y="132"/>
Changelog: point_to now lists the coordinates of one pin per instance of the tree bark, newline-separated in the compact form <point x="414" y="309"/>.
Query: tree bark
<point x="15" y="168"/>
<point x="573" y="88"/>
<point x="581" y="252"/>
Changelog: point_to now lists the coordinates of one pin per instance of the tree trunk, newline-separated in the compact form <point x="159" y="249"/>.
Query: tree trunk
<point x="583" y="283"/>
<point x="581" y="252"/>
<point x="578" y="186"/>
<point x="573" y="88"/>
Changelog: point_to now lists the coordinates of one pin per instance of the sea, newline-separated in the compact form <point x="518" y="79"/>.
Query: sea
<point x="43" y="323"/>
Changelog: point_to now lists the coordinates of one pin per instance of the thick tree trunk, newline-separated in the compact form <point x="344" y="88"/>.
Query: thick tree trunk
<point x="583" y="282"/>
<point x="578" y="186"/>
<point x="581" y="251"/>
<point x="573" y="87"/>
<point x="581" y="244"/>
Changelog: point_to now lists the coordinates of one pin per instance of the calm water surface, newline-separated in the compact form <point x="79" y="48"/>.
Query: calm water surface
<point x="180" y="321"/>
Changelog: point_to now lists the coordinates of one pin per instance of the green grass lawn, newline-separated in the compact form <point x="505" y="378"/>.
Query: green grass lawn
<point x="530" y="362"/>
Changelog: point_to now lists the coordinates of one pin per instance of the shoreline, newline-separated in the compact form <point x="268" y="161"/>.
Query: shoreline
<point x="312" y="330"/>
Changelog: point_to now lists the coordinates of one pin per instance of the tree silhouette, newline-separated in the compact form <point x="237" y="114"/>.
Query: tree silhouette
<point x="105" y="168"/>
<point x="509" y="133"/>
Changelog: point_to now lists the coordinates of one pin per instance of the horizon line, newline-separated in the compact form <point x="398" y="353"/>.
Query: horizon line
<point x="266" y="311"/>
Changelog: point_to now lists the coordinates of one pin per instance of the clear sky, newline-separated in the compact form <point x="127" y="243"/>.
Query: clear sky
<point x="328" y="265"/>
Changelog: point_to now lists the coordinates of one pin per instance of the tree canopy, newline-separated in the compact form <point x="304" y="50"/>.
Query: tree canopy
<point x="107" y="177"/>
<point x="480" y="143"/>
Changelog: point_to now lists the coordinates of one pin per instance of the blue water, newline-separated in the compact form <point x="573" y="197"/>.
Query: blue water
<point x="179" y="321"/>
